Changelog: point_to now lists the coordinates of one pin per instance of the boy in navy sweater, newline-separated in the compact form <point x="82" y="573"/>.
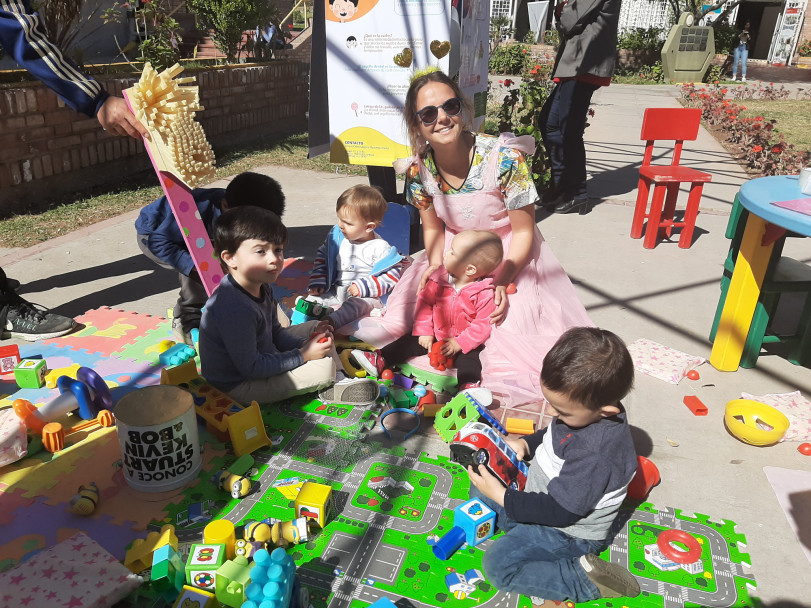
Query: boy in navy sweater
<point x="581" y="465"/>
<point x="160" y="238"/>
<point x="244" y="350"/>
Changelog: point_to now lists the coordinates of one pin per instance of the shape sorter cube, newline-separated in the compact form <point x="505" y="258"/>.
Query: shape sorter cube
<point x="202" y="565"/>
<point x="314" y="500"/>
<point x="476" y="519"/>
<point x="168" y="575"/>
<point x="9" y="358"/>
<point x="30" y="373"/>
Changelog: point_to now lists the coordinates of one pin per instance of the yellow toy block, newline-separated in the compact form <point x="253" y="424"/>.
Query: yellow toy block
<point x="519" y="426"/>
<point x="51" y="376"/>
<point x="139" y="557"/>
<point x="247" y="431"/>
<point x="314" y="501"/>
<point x="179" y="374"/>
<point x="221" y="532"/>
<point x="198" y="598"/>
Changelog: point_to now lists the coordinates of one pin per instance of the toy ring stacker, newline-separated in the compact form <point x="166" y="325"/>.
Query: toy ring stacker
<point x="403" y="411"/>
<point x="689" y="556"/>
<point x="755" y="423"/>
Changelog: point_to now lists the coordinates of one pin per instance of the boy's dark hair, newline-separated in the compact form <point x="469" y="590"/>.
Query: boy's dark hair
<point x="243" y="223"/>
<point x="255" y="189"/>
<point x="589" y="365"/>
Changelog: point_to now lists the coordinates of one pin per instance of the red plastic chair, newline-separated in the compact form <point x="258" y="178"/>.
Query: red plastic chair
<point x="679" y="125"/>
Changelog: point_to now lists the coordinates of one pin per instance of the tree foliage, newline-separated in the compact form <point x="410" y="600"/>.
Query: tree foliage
<point x="698" y="8"/>
<point x="228" y="19"/>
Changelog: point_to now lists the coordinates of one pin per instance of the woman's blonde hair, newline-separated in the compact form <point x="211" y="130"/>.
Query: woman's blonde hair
<point x="367" y="202"/>
<point x="412" y="121"/>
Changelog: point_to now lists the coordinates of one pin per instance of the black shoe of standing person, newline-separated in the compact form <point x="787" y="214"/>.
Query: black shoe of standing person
<point x="569" y="204"/>
<point x="21" y="319"/>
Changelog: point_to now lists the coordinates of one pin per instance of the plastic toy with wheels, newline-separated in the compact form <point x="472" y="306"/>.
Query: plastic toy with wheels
<point x="459" y="411"/>
<point x="755" y="423"/>
<point x="88" y="393"/>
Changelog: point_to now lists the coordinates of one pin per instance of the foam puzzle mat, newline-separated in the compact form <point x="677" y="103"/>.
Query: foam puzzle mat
<point x="392" y="497"/>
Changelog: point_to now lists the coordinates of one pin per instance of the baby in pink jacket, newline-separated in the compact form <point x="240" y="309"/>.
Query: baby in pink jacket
<point x="454" y="306"/>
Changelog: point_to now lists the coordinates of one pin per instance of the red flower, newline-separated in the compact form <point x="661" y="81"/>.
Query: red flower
<point x="758" y="118"/>
<point x="523" y="50"/>
<point x="501" y="82"/>
<point x="743" y="108"/>
<point x="715" y="82"/>
<point x="508" y="83"/>
<point x="777" y="149"/>
<point x="537" y="66"/>
<point x="533" y="71"/>
<point x="724" y="91"/>
<point x="757" y="149"/>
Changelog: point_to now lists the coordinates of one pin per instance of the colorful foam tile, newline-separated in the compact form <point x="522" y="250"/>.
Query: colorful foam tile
<point x="107" y="330"/>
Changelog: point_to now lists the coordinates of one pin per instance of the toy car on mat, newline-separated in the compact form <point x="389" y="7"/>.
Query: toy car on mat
<point x="479" y="444"/>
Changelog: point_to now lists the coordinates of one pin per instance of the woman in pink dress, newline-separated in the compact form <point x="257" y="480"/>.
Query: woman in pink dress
<point x="460" y="181"/>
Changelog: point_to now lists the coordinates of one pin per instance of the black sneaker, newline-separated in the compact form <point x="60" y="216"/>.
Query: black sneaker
<point x="611" y="580"/>
<point x="21" y="319"/>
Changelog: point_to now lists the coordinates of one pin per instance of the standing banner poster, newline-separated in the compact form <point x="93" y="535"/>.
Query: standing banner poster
<point x="372" y="49"/>
<point x="787" y="32"/>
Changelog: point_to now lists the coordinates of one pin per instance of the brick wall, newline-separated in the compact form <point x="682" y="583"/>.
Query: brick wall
<point x="47" y="150"/>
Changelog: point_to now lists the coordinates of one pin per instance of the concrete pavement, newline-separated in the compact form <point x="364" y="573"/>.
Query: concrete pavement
<point x="666" y="294"/>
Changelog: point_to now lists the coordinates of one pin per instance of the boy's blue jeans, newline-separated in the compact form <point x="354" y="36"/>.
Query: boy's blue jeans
<point x="537" y="560"/>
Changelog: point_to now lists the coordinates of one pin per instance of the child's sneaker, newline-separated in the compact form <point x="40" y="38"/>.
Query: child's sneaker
<point x="351" y="391"/>
<point x="611" y="580"/>
<point x="373" y="363"/>
<point x="743" y="78"/>
<point x="180" y="335"/>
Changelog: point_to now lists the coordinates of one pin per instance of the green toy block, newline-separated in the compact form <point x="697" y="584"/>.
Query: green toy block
<point x="232" y="578"/>
<point x="202" y="565"/>
<point x="168" y="575"/>
<point x="30" y="373"/>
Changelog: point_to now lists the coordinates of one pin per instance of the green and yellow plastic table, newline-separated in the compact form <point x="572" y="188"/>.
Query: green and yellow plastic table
<point x="766" y="224"/>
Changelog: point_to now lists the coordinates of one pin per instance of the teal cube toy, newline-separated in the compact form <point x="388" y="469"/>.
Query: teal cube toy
<point x="202" y="565"/>
<point x="30" y="373"/>
<point x="168" y="574"/>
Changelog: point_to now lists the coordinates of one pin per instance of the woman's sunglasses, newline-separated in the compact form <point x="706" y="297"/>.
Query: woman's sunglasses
<point x="451" y="107"/>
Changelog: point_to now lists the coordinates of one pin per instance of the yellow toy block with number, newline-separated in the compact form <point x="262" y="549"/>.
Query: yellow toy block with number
<point x="314" y="500"/>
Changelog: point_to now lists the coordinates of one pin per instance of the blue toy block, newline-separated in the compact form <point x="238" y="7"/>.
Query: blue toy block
<point x="272" y="580"/>
<point x="179" y="353"/>
<point x="476" y="519"/>
<point x="383" y="602"/>
<point x="168" y="573"/>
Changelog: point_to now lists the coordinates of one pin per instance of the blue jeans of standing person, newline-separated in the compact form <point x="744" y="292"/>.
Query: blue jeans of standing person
<point x="537" y="560"/>
<point x="563" y="122"/>
<point x="741" y="55"/>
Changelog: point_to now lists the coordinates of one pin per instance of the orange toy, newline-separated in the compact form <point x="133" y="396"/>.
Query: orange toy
<point x="438" y="360"/>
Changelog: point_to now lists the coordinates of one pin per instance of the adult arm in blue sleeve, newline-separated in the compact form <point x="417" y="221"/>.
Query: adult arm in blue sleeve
<point x="23" y="37"/>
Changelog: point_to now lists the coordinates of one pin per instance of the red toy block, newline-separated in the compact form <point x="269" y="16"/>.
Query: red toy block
<point x="695" y="405"/>
<point x="9" y="358"/>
